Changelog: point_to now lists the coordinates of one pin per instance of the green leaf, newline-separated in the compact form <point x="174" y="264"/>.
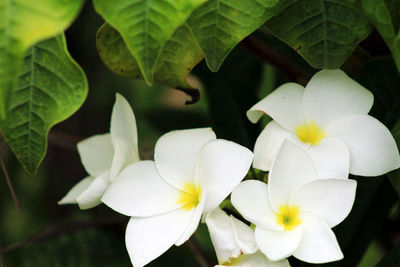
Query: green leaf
<point x="146" y="25"/>
<point x="51" y="88"/>
<point x="177" y="58"/>
<point x="324" y="32"/>
<point x="392" y="259"/>
<point x="22" y="24"/>
<point x="385" y="14"/>
<point x="219" y="25"/>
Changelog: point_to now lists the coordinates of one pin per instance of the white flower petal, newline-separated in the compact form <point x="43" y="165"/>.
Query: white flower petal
<point x="221" y="166"/>
<point x="194" y="222"/>
<point x="70" y="197"/>
<point x="121" y="157"/>
<point x="140" y="191"/>
<point x="176" y="154"/>
<point x="222" y="235"/>
<point x="268" y="144"/>
<point x="256" y="208"/>
<point x="123" y="126"/>
<point x="259" y="260"/>
<point x="230" y="237"/>
<point x="284" y="105"/>
<point x="331" y="199"/>
<point x="91" y="197"/>
<point x="291" y="169"/>
<point x="331" y="158"/>
<point x="331" y="94"/>
<point x="319" y="244"/>
<point x="244" y="236"/>
<point x="147" y="238"/>
<point x="373" y="150"/>
<point x="278" y="245"/>
<point x="96" y="154"/>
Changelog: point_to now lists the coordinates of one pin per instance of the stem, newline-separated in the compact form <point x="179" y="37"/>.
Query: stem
<point x="57" y="230"/>
<point x="9" y="183"/>
<point x="198" y="253"/>
<point x="269" y="55"/>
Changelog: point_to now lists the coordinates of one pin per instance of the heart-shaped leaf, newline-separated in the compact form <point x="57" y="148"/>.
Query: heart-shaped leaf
<point x="324" y="32"/>
<point x="51" y="87"/>
<point x="219" y="25"/>
<point x="22" y="24"/>
<point x="146" y="25"/>
<point x="177" y="58"/>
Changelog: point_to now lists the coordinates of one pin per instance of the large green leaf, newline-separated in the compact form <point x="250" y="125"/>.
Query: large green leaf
<point x="219" y="25"/>
<point x="51" y="88"/>
<point x="146" y="25"/>
<point x="324" y="32"/>
<point x="385" y="14"/>
<point x="22" y="24"/>
<point x="177" y="58"/>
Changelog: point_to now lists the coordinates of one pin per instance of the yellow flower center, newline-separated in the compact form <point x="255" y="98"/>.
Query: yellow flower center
<point x="190" y="196"/>
<point x="234" y="261"/>
<point x="310" y="133"/>
<point x="288" y="217"/>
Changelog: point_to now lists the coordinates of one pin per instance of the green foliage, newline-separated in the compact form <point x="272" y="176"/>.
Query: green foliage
<point x="177" y="57"/>
<point x="51" y="87"/>
<point x="219" y="25"/>
<point x="22" y="24"/>
<point x="385" y="14"/>
<point x="146" y="25"/>
<point x="324" y="32"/>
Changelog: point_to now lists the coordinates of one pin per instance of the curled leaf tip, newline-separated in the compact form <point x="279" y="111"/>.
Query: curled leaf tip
<point x="193" y="93"/>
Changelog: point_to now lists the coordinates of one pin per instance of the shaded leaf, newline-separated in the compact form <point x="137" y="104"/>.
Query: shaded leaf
<point x="219" y="25"/>
<point x="146" y="25"/>
<point x="22" y="24"/>
<point x="324" y="32"/>
<point x="177" y="58"/>
<point x="51" y="88"/>
<point x="385" y="14"/>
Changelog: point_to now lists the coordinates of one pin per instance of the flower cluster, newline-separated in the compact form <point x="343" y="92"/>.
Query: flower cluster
<point x="319" y="134"/>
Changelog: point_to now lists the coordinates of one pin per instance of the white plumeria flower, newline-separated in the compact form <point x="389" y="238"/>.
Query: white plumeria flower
<point x="329" y="120"/>
<point x="234" y="242"/>
<point x="295" y="212"/>
<point x="191" y="175"/>
<point x="104" y="156"/>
